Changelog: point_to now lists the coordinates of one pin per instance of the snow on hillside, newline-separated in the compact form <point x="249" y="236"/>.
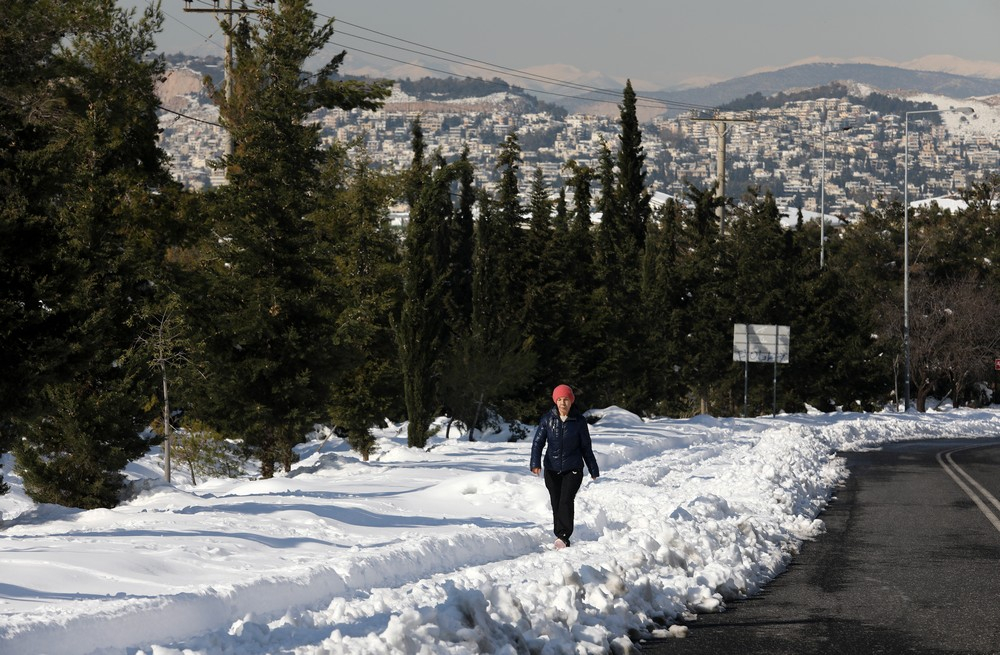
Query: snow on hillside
<point x="984" y="122"/>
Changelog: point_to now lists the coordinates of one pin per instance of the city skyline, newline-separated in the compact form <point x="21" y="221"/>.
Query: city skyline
<point x="657" y="45"/>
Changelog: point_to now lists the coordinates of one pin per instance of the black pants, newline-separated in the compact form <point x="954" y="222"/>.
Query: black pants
<point x="562" y="494"/>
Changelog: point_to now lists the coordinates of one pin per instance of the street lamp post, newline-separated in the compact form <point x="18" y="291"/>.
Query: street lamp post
<point x="822" y="193"/>
<point x="906" y="240"/>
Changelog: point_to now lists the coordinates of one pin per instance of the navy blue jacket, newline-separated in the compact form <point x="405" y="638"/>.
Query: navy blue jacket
<point x="569" y="444"/>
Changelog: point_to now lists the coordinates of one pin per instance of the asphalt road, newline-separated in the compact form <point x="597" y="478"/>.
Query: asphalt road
<point x="910" y="563"/>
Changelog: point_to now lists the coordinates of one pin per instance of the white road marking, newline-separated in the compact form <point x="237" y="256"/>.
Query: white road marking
<point x="954" y="470"/>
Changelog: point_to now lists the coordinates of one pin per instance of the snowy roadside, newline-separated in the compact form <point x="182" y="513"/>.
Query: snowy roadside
<point x="438" y="551"/>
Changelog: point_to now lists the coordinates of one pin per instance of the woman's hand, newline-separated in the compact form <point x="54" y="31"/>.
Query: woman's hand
<point x="536" y="471"/>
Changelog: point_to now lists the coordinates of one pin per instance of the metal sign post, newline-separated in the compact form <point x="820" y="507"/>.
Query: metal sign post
<point x="762" y="344"/>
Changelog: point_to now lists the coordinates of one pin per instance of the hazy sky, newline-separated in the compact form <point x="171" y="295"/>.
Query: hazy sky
<point x="656" y="43"/>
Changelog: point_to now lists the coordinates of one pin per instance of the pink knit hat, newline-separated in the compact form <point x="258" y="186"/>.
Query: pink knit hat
<point x="563" y="391"/>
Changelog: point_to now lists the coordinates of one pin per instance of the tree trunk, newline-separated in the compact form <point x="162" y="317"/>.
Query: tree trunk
<point x="167" y="435"/>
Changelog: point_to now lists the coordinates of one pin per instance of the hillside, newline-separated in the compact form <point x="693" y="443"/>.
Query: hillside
<point x="893" y="80"/>
<point x="898" y="81"/>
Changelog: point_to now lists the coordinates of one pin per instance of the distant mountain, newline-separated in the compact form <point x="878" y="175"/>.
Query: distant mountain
<point x="898" y="81"/>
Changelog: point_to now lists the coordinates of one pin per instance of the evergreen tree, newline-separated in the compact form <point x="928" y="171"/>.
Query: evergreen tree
<point x="763" y="289"/>
<point x="420" y="333"/>
<point x="581" y="242"/>
<point x="704" y="323"/>
<point x="605" y="344"/>
<point x="501" y="356"/>
<point x="269" y="317"/>
<point x="578" y="332"/>
<point x="632" y="191"/>
<point x="756" y="252"/>
<point x="32" y="173"/>
<point x="82" y="175"/>
<point x="507" y="242"/>
<point x="544" y="270"/>
<point x="539" y="233"/>
<point x="625" y="215"/>
<point x="660" y="306"/>
<point x="463" y="379"/>
<point x="367" y="256"/>
<point x="462" y="246"/>
<point x="983" y="211"/>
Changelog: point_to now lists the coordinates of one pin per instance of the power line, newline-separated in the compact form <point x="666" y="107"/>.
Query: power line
<point x="182" y="115"/>
<point x="641" y="101"/>
<point x="503" y="86"/>
<point x="207" y="38"/>
<point x="496" y="68"/>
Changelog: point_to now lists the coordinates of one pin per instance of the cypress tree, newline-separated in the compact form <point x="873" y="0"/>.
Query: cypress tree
<point x="633" y="192"/>
<point x="507" y="242"/>
<point x="543" y="313"/>
<point x="579" y="348"/>
<point x="625" y="214"/>
<point x="660" y="306"/>
<point x="539" y="233"/>
<point x="704" y="325"/>
<point x="462" y="246"/>
<point x="581" y="242"/>
<point x="497" y="356"/>
<point x="420" y="333"/>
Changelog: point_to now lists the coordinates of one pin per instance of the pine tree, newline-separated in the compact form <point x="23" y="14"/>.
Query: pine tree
<point x="32" y="174"/>
<point x="500" y="360"/>
<point x="581" y="242"/>
<point x="539" y="233"/>
<point x="763" y="289"/>
<point x="86" y="174"/>
<point x="269" y="318"/>
<point x="366" y="252"/>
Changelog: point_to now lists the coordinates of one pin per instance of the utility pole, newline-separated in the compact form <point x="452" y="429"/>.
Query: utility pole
<point x="229" y="12"/>
<point x="721" y="129"/>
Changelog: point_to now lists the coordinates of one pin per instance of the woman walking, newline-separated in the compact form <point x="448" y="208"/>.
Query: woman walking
<point x="564" y="430"/>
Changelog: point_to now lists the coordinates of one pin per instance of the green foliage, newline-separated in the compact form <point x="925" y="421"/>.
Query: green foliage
<point x="457" y="88"/>
<point x="876" y="102"/>
<point x="462" y="240"/>
<point x="617" y="319"/>
<point x="285" y="298"/>
<point x="452" y="88"/>
<point x="480" y="375"/>
<point x="420" y="332"/>
<point x="74" y="456"/>
<point x="274" y="294"/>
<point x="367" y="258"/>
<point x="206" y="453"/>
<point x="84" y="183"/>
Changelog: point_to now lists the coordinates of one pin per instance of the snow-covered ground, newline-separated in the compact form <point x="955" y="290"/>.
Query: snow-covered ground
<point x="443" y="550"/>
